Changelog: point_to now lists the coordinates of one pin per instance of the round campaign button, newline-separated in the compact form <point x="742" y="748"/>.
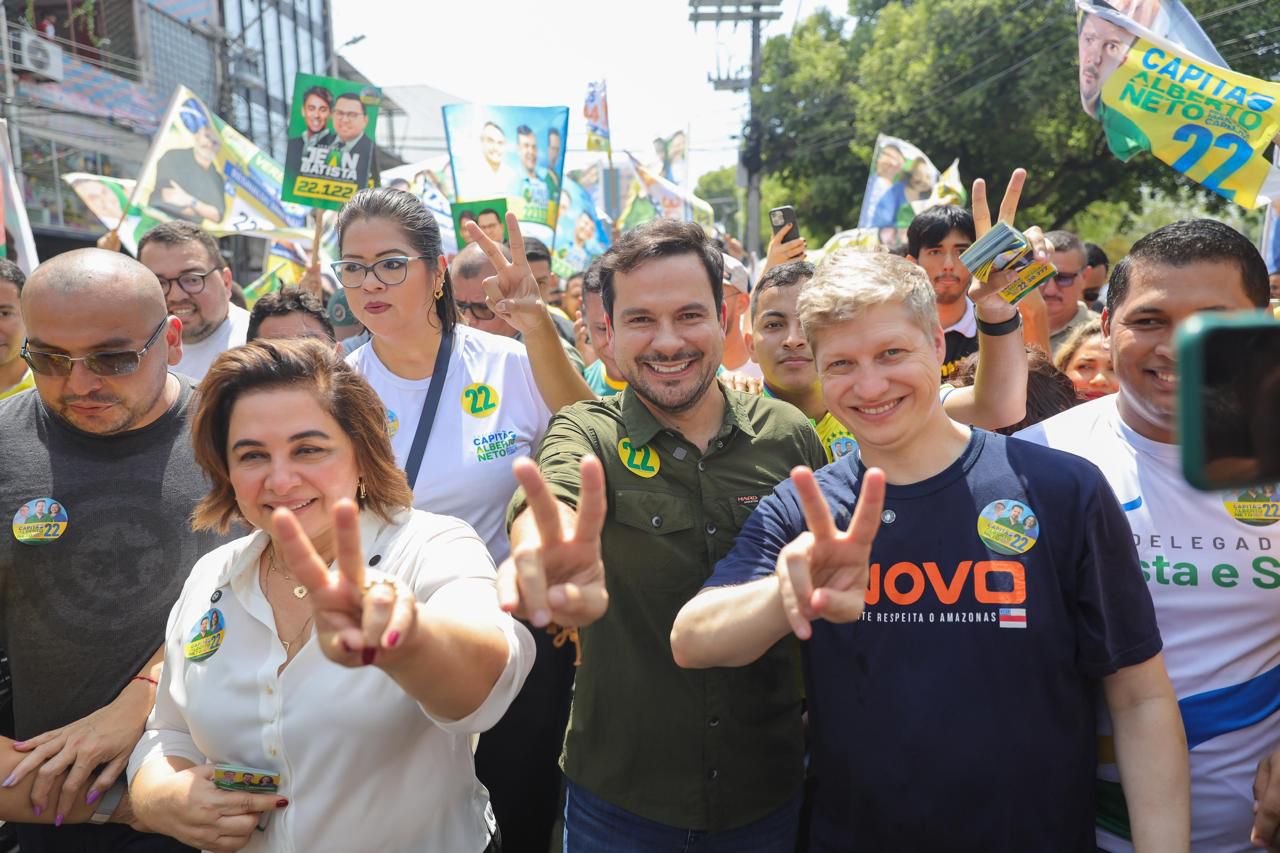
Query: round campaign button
<point x="393" y="424"/>
<point x="1258" y="506"/>
<point x="39" y="521"/>
<point x="206" y="637"/>
<point x="1008" y="526"/>
<point x="479" y="400"/>
<point x="216" y="597"/>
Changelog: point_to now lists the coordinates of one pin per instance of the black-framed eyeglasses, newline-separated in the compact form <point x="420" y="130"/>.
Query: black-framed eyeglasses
<point x="120" y="363"/>
<point x="190" y="282"/>
<point x="478" y="310"/>
<point x="390" y="271"/>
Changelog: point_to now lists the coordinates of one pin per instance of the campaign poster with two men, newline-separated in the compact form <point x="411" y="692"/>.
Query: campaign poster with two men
<point x="516" y="153"/>
<point x="331" y="140"/>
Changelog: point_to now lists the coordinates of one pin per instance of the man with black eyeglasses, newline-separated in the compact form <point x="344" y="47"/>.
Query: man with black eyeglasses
<point x="1063" y="293"/>
<point x="197" y="289"/>
<point x="85" y="602"/>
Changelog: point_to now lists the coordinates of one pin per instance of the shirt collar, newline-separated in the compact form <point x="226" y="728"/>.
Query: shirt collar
<point x="968" y="324"/>
<point x="250" y="548"/>
<point x="642" y="426"/>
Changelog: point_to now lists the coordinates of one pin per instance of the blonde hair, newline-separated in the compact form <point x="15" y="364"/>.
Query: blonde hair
<point x="850" y="281"/>
<point x="1074" y="342"/>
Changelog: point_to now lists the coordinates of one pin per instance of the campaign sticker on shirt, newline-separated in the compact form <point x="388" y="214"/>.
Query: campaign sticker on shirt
<point x="479" y="400"/>
<point x="393" y="424"/>
<point x="206" y="636"/>
<point x="641" y="461"/>
<point x="842" y="447"/>
<point x="1258" y="506"/>
<point x="39" y="521"/>
<point x="1008" y="527"/>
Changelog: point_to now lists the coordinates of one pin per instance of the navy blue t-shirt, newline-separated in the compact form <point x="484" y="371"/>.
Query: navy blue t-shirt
<point x="959" y="712"/>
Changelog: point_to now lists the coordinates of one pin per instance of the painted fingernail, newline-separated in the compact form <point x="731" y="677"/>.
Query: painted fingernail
<point x="36" y="810"/>
<point x="541" y="618"/>
<point x="346" y="647"/>
<point x="281" y="803"/>
<point x="366" y="656"/>
<point x="392" y="639"/>
<point x="57" y="821"/>
<point x="9" y="780"/>
<point x="93" y="797"/>
<point x="19" y="744"/>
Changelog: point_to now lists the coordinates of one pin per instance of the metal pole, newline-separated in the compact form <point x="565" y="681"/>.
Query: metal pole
<point x="10" y="108"/>
<point x="753" y="175"/>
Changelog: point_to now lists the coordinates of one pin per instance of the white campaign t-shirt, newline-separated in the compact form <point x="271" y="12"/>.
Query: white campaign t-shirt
<point x="197" y="358"/>
<point x="1212" y="563"/>
<point x="490" y="413"/>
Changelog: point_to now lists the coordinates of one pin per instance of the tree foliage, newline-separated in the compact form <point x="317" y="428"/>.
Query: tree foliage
<point x="992" y="82"/>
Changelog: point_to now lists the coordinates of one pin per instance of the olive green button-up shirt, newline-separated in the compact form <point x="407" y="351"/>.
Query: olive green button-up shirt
<point x="696" y="749"/>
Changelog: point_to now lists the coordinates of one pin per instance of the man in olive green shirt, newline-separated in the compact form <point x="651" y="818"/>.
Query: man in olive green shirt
<point x="657" y="755"/>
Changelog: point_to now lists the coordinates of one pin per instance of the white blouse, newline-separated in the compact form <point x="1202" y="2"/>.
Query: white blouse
<point x="364" y="766"/>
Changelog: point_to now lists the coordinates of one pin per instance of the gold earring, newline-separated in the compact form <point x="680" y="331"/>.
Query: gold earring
<point x="360" y="489"/>
<point x="440" y="292"/>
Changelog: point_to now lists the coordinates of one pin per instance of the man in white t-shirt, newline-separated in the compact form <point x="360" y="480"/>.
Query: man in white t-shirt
<point x="737" y="305"/>
<point x="197" y="288"/>
<point x="1212" y="566"/>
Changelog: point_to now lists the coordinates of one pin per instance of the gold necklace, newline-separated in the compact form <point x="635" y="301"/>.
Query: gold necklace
<point x="289" y="644"/>
<point x="299" y="591"/>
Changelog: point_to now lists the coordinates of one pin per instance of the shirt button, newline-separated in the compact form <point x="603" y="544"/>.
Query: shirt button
<point x="272" y="750"/>
<point x="713" y="774"/>
<point x="702" y="466"/>
<point x="711" y="529"/>
<point x="719" y="443"/>
<point x="270" y="690"/>
<point x="656" y="521"/>
<point x="713" y="722"/>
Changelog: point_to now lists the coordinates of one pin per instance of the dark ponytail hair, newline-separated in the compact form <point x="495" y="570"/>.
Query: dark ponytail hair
<point x="417" y="223"/>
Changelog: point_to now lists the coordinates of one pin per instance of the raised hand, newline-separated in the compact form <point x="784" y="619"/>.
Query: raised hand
<point x="513" y="292"/>
<point x="355" y="625"/>
<point x="823" y="572"/>
<point x="979" y="291"/>
<point x="783" y="250"/>
<point x="558" y="574"/>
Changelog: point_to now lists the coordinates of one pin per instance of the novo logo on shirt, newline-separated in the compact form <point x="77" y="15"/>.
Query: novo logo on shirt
<point x="495" y="445"/>
<point x="998" y="582"/>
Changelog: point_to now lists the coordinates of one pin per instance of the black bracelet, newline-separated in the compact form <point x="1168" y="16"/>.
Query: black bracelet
<point x="995" y="330"/>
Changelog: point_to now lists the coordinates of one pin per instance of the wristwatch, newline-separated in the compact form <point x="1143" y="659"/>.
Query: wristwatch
<point x="995" y="330"/>
<point x="109" y="801"/>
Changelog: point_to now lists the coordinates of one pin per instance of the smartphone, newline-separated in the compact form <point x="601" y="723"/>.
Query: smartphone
<point x="780" y="216"/>
<point x="1229" y="405"/>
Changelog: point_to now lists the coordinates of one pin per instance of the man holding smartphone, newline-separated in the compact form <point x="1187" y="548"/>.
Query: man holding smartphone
<point x="1214" y="577"/>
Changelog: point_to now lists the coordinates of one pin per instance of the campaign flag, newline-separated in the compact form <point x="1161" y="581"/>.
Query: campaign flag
<point x="203" y="170"/>
<point x="1153" y="94"/>
<point x="596" y="111"/>
<point x="1270" y="245"/>
<point x="15" y="229"/>
<point x="512" y="152"/>
<point x="583" y="232"/>
<point x="332" y="126"/>
<point x="652" y="196"/>
<point x="901" y="176"/>
<point x="430" y="181"/>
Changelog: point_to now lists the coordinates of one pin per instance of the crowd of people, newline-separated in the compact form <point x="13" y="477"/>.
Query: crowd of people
<point x="682" y="553"/>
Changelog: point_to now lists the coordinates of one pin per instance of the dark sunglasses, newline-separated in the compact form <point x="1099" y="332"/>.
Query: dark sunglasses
<point x="120" y="363"/>
<point x="479" y="310"/>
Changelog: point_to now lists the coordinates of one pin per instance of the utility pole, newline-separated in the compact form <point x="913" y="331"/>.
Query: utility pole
<point x="755" y="13"/>
<point x="10" y="111"/>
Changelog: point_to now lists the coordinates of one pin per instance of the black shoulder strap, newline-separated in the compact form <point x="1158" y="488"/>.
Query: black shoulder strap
<point x="429" y="406"/>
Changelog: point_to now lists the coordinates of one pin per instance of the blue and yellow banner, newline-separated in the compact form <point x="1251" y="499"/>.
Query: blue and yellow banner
<point x="1206" y="121"/>
<point x="596" y="111"/>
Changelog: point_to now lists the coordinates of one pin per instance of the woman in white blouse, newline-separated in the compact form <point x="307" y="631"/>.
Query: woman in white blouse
<point x="360" y="687"/>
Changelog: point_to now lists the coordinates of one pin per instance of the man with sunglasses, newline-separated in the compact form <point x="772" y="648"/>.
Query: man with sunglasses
<point x="197" y="289"/>
<point x="82" y="617"/>
<point x="1064" y="292"/>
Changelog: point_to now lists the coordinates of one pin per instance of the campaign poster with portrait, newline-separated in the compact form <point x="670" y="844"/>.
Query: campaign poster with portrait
<point x="900" y="175"/>
<point x="431" y="182"/>
<point x="582" y="234"/>
<point x="202" y="170"/>
<point x="331" y="140"/>
<point x="511" y="152"/>
<point x="489" y="213"/>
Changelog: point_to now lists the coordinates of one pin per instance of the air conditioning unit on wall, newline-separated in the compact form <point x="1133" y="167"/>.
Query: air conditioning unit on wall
<point x="38" y="55"/>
